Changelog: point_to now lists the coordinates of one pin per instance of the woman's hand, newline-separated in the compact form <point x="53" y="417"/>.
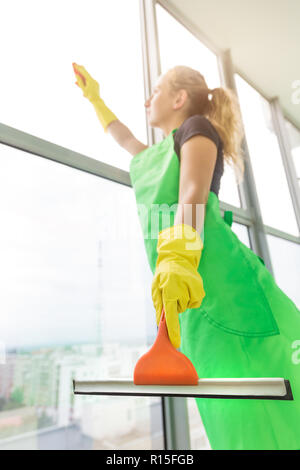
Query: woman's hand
<point x="89" y="86"/>
<point x="177" y="284"/>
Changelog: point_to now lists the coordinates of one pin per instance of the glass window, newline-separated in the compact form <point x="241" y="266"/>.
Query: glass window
<point x="180" y="47"/>
<point x="76" y="304"/>
<point x="285" y="257"/>
<point x="38" y="94"/>
<point x="241" y="232"/>
<point x="269" y="173"/>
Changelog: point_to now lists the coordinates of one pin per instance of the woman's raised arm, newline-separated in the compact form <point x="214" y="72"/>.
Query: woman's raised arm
<point x="107" y="118"/>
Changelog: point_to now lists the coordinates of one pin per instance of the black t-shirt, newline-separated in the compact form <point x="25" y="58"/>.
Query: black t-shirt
<point x="199" y="124"/>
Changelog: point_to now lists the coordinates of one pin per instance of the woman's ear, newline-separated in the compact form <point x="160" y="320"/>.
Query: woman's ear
<point x="181" y="98"/>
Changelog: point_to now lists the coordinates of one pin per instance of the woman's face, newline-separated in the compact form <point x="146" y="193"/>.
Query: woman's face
<point x="160" y="104"/>
<point x="163" y="105"/>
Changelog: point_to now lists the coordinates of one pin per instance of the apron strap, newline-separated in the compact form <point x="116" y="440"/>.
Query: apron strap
<point x="228" y="217"/>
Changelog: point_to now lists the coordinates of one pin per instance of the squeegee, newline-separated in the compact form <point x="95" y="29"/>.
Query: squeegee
<point x="165" y="371"/>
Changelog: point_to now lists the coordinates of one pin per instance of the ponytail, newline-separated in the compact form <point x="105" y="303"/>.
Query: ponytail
<point x="220" y="106"/>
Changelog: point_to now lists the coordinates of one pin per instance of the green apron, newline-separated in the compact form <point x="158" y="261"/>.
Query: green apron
<point x="246" y="325"/>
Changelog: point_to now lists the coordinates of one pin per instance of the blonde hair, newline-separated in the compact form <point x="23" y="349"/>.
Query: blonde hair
<point x="222" y="111"/>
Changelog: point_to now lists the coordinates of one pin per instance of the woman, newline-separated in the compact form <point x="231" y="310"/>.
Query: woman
<point x="237" y="322"/>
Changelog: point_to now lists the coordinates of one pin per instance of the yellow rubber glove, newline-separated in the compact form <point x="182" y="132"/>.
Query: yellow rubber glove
<point x="90" y="88"/>
<point x="177" y="285"/>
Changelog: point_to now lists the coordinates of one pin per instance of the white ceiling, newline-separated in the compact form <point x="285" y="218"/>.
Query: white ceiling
<point x="264" y="39"/>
